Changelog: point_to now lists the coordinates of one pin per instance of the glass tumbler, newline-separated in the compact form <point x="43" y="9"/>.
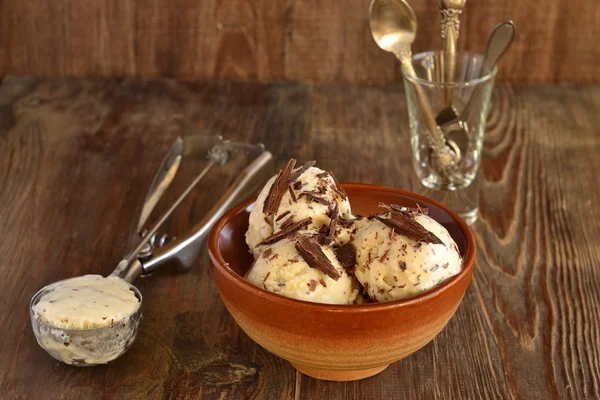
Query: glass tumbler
<point x="467" y="97"/>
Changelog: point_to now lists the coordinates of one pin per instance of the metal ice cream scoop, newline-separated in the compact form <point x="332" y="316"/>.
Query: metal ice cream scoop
<point x="94" y="345"/>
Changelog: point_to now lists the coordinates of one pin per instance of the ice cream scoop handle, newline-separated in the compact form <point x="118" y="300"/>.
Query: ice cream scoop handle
<point x="181" y="254"/>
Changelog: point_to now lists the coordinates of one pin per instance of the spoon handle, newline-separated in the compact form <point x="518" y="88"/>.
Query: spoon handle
<point x="450" y="11"/>
<point x="436" y="137"/>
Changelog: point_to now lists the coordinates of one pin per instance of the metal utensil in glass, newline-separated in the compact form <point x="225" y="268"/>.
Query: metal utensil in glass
<point x="498" y="43"/>
<point x="450" y="24"/>
<point x="460" y="194"/>
<point x="394" y="27"/>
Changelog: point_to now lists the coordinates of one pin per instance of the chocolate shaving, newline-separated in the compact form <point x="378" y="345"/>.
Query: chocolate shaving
<point x="312" y="197"/>
<point x="297" y="185"/>
<point x="267" y="253"/>
<point x="346" y="255"/>
<point x="287" y="231"/>
<point x="366" y="288"/>
<point x="323" y="174"/>
<point x="384" y="255"/>
<point x="315" y="258"/>
<point x="331" y="209"/>
<point x="278" y="189"/>
<point x="300" y="171"/>
<point x="287" y="222"/>
<point x="282" y="215"/>
<point x="292" y="194"/>
<point x="312" y="285"/>
<point x="405" y="224"/>
<point x="322" y="282"/>
<point x="337" y="186"/>
<point x="268" y="221"/>
<point x="266" y="276"/>
<point x="402" y="265"/>
<point x="333" y="221"/>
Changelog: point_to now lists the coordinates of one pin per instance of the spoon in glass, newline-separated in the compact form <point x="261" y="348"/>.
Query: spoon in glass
<point x="394" y="27"/>
<point x="455" y="126"/>
<point x="450" y="11"/>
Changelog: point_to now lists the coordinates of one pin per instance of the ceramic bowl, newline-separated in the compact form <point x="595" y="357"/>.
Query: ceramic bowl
<point x="338" y="342"/>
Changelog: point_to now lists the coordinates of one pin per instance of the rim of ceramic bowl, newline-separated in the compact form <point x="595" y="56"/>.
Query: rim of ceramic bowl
<point x="241" y="283"/>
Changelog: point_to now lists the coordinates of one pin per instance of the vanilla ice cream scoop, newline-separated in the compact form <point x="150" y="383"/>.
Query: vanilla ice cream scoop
<point x="305" y="192"/>
<point x="400" y="254"/>
<point x="281" y="268"/>
<point x="87" y="320"/>
<point x="88" y="301"/>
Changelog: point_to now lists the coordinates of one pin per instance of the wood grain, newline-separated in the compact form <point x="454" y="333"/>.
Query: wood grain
<point x="77" y="156"/>
<point x="276" y="40"/>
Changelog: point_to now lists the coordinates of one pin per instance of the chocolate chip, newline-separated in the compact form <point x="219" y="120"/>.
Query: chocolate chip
<point x="346" y="255"/>
<point x="402" y="265"/>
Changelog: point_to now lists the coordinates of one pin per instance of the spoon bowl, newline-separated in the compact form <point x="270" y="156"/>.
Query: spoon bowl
<point x="393" y="24"/>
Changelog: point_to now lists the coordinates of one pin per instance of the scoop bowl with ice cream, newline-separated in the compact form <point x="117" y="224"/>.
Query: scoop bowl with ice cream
<point x="338" y="342"/>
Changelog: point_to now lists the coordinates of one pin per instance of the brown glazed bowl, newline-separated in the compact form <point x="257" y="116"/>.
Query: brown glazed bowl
<point x="338" y="342"/>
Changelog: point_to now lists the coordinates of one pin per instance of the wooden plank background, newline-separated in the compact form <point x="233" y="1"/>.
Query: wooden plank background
<point x="269" y="40"/>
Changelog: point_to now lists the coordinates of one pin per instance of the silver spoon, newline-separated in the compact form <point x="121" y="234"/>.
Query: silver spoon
<point x="455" y="127"/>
<point x="394" y="27"/>
<point x="450" y="23"/>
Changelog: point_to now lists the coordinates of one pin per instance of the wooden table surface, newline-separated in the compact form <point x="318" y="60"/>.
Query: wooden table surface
<point x="76" y="158"/>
